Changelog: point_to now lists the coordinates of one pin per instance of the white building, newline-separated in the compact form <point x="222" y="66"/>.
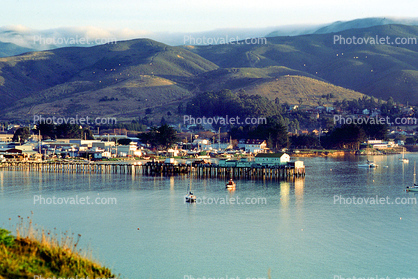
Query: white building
<point x="272" y="158"/>
<point x="128" y="150"/>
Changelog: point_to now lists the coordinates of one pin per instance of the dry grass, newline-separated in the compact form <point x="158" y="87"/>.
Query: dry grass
<point x="46" y="253"/>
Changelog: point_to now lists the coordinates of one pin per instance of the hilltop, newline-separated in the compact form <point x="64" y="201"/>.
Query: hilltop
<point x="45" y="255"/>
<point x="376" y="70"/>
<point x="138" y="77"/>
<point x="134" y="74"/>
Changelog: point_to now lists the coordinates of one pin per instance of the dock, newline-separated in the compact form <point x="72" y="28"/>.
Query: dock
<point x="161" y="168"/>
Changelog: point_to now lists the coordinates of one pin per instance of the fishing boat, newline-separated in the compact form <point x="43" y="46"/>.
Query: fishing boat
<point x="403" y="159"/>
<point x="231" y="184"/>
<point x="190" y="197"/>
<point x="368" y="165"/>
<point x="412" y="188"/>
<point x="415" y="187"/>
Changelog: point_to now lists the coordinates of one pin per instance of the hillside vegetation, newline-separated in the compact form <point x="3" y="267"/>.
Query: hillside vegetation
<point x="377" y="70"/>
<point x="33" y="252"/>
<point x="128" y="78"/>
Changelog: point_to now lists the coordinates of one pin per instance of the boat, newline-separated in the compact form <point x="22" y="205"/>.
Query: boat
<point x="403" y="159"/>
<point x="231" y="184"/>
<point x="412" y="188"/>
<point x="415" y="187"/>
<point x="369" y="165"/>
<point x="190" y="197"/>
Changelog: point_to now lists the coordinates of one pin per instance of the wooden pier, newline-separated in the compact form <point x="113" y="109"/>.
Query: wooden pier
<point x="160" y="168"/>
<point x="281" y="172"/>
<point x="72" y="167"/>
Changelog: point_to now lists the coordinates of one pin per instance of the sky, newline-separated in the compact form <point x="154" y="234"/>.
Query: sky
<point x="192" y="15"/>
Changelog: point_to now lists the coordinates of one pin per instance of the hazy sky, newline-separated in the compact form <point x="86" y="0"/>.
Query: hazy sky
<point x="193" y="15"/>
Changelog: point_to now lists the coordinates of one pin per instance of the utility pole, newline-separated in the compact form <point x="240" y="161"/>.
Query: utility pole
<point x="219" y="140"/>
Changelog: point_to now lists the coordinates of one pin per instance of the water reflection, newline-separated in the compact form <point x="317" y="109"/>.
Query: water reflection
<point x="284" y="194"/>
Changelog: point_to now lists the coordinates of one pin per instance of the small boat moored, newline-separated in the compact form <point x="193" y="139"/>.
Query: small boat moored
<point x="415" y="187"/>
<point x="231" y="184"/>
<point x="412" y="188"/>
<point x="190" y="198"/>
<point x="369" y="165"/>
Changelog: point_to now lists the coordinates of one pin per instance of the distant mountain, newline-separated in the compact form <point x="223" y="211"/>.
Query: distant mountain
<point x="131" y="78"/>
<point x="363" y="23"/>
<point x="339" y="26"/>
<point x="90" y="36"/>
<point x="114" y="79"/>
<point x="9" y="49"/>
<point x="376" y="70"/>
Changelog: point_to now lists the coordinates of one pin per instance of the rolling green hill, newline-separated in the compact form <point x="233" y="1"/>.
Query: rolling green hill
<point x="376" y="70"/>
<point x="124" y="79"/>
<point x="138" y="73"/>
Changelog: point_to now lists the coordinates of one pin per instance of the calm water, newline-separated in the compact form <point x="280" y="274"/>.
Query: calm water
<point x="299" y="233"/>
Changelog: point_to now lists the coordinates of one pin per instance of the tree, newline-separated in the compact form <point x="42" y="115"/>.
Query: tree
<point x="167" y="136"/>
<point x="47" y="130"/>
<point x="274" y="132"/>
<point x="163" y="121"/>
<point x="124" y="141"/>
<point x="304" y="141"/>
<point x="410" y="141"/>
<point x="71" y="131"/>
<point x="21" y="134"/>
<point x="162" y="137"/>
<point x="346" y="136"/>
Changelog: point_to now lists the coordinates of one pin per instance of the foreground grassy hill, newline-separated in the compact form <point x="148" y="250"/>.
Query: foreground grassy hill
<point x="27" y="256"/>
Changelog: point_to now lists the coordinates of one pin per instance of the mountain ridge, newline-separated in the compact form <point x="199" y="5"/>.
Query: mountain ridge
<point x="132" y="78"/>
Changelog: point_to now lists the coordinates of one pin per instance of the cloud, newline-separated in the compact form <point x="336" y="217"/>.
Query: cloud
<point x="65" y="36"/>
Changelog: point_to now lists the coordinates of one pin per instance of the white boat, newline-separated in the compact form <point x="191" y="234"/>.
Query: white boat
<point x="190" y="197"/>
<point x="415" y="187"/>
<point x="369" y="165"/>
<point x="403" y="159"/>
<point x="412" y="188"/>
<point x="231" y="184"/>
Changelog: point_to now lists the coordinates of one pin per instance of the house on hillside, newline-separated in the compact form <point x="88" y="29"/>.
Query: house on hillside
<point x="272" y="159"/>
